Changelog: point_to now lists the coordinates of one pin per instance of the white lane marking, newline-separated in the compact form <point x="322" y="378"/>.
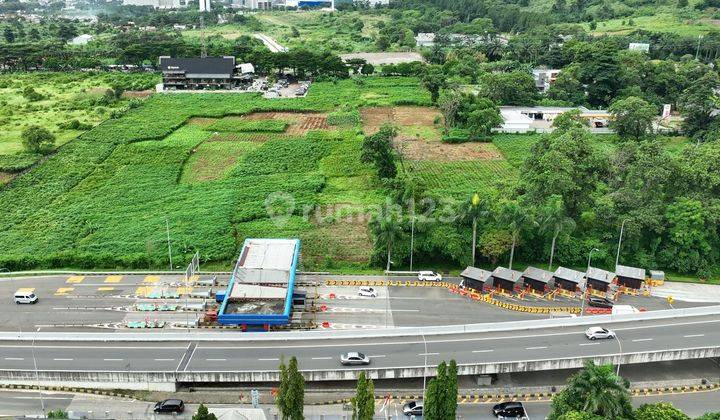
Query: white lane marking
<point x="404" y="310"/>
<point x="428" y="354"/>
<point x="693" y="335"/>
<point x="322" y="358"/>
<point x="112" y="360"/>
<point x="164" y="360"/>
<point x="641" y="339"/>
<point x="378" y="355"/>
<point x="215" y="360"/>
<point x="453" y="340"/>
<point x="589" y="344"/>
<point x="189" y="358"/>
<point x="483" y="351"/>
<point x="14" y="358"/>
<point x="94" y="347"/>
<point x="536" y="348"/>
<point x="63" y="360"/>
<point x="44" y="398"/>
<point x="269" y="360"/>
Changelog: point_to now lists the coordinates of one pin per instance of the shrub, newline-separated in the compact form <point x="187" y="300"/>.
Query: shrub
<point x="457" y="135"/>
<point x="344" y="117"/>
<point x="37" y="139"/>
<point x="18" y="162"/>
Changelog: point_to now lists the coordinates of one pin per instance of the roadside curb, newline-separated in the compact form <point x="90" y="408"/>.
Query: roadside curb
<point x="67" y="389"/>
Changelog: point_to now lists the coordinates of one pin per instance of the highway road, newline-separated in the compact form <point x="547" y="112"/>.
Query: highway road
<point x="385" y="352"/>
<point x="20" y="403"/>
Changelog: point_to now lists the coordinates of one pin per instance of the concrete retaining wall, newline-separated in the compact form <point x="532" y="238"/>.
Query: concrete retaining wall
<point x="142" y="381"/>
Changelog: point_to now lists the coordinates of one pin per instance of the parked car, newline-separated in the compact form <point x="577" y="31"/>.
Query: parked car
<point x="600" y="302"/>
<point x="22" y="296"/>
<point x="170" y="406"/>
<point x="354" y="358"/>
<point x="413" y="408"/>
<point x="367" y="292"/>
<point x="429" y="276"/>
<point x="594" y="333"/>
<point x="510" y="409"/>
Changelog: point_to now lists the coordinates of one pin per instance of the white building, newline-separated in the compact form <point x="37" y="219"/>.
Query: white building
<point x="639" y="46"/>
<point x="425" y="39"/>
<point x="204" y="5"/>
<point x="158" y="4"/>
<point x="544" y="78"/>
<point x="81" y="39"/>
<point x="514" y="121"/>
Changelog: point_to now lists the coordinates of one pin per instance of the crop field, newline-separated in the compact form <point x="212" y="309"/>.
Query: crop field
<point x="103" y="199"/>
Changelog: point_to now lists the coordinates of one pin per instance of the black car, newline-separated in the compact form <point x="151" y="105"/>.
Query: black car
<point x="413" y="408"/>
<point x="170" y="406"/>
<point x="600" y="302"/>
<point x="511" y="409"/>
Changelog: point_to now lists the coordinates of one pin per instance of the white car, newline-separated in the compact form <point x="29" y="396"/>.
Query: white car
<point x="594" y="333"/>
<point x="354" y="359"/>
<point x="429" y="276"/>
<point x="367" y="292"/>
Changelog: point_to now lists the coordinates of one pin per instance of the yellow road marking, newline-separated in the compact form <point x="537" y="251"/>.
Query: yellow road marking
<point x="113" y="279"/>
<point x="75" y="279"/>
<point x="151" y="279"/>
<point x="143" y="290"/>
<point x="184" y="290"/>
<point x="63" y="291"/>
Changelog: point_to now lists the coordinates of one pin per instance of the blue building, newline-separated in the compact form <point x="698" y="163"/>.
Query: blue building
<point x="260" y="290"/>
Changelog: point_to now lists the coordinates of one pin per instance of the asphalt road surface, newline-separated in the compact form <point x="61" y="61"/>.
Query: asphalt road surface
<point x="28" y="403"/>
<point x="390" y="352"/>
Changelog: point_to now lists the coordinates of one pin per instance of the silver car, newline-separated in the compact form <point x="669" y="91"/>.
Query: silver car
<point x="354" y="358"/>
<point x="594" y="333"/>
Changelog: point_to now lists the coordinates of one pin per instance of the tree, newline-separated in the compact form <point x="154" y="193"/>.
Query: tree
<point x="472" y="210"/>
<point x="57" y="414"/>
<point x="9" y="35"/>
<point x="659" y="411"/>
<point x="594" y="390"/>
<point x="568" y="87"/>
<point x="515" y="217"/>
<point x="495" y="243"/>
<point x="632" y="117"/>
<point x="568" y="120"/>
<point x="514" y="88"/>
<point x="483" y="119"/>
<point x="203" y="414"/>
<point x="377" y="149"/>
<point x="367" y="69"/>
<point x="387" y="228"/>
<point x="364" y="401"/>
<point x="433" y="79"/>
<point x="291" y="393"/>
<point x="691" y="235"/>
<point x="710" y="416"/>
<point x="449" y="104"/>
<point x="441" y="394"/>
<point x="36" y="139"/>
<point x="698" y="103"/>
<point x="553" y="219"/>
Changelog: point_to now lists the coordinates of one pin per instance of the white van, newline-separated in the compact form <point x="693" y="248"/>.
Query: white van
<point x="25" y="297"/>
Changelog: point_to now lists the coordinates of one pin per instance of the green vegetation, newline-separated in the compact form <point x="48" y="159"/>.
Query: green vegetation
<point x="364" y="401"/>
<point x="241" y="126"/>
<point x="442" y="393"/>
<point x="290" y="399"/>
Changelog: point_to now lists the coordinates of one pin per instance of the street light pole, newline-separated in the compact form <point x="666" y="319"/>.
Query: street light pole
<point x="424" y="367"/>
<point x="37" y="374"/>
<point x="582" y="307"/>
<point x="620" y="358"/>
<point x="617" y="256"/>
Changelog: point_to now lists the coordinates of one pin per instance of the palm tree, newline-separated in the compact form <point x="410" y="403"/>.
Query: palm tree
<point x="410" y="192"/>
<point x="471" y="211"/>
<point x="386" y="225"/>
<point x="516" y="218"/>
<point x="553" y="219"/>
<point x="601" y="391"/>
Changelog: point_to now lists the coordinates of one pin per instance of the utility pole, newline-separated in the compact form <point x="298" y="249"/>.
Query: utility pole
<point x="167" y="230"/>
<point x="37" y="374"/>
<point x="617" y="256"/>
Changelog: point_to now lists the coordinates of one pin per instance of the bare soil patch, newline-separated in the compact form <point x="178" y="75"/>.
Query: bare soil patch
<point x="202" y="121"/>
<point x="344" y="239"/>
<point x="5" y="178"/>
<point x="373" y="118"/>
<point x="419" y="149"/>
<point x="405" y="116"/>
<point x="299" y="122"/>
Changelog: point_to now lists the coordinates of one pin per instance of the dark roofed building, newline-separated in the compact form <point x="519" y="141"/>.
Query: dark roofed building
<point x="536" y="279"/>
<point x="474" y="278"/>
<point x="196" y="73"/>
<point x="505" y="278"/>
<point x="568" y="279"/>
<point x="599" y="279"/>
<point x="631" y="277"/>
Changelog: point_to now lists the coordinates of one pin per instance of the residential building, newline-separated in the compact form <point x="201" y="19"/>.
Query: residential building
<point x="204" y="5"/>
<point x="158" y="4"/>
<point x="523" y="119"/>
<point x="544" y="78"/>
